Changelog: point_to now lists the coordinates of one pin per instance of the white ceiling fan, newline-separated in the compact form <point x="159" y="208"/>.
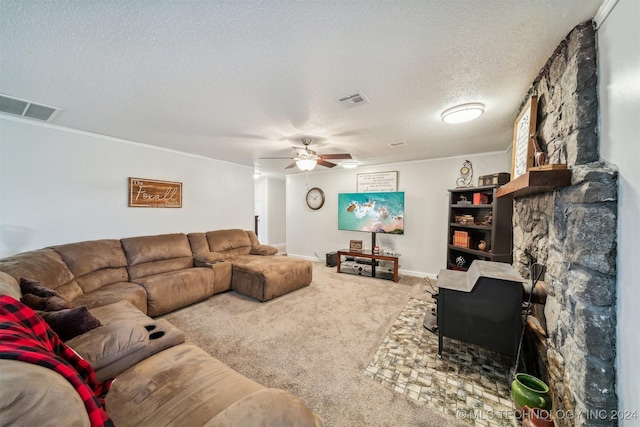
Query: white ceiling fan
<point x="306" y="159"/>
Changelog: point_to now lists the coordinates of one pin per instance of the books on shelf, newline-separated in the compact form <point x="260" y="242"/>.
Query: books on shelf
<point x="462" y="239"/>
<point x="480" y="199"/>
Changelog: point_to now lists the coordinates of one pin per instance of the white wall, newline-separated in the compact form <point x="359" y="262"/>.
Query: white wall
<point x="270" y="207"/>
<point x="58" y="186"/>
<point x="619" y="92"/>
<point x="277" y="213"/>
<point x="425" y="183"/>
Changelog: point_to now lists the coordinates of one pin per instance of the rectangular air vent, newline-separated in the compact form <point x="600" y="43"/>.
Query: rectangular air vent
<point x="354" y="99"/>
<point x="397" y="144"/>
<point x="28" y="109"/>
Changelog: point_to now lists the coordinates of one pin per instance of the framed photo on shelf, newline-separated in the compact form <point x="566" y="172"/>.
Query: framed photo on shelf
<point x="524" y="130"/>
<point x="355" y="245"/>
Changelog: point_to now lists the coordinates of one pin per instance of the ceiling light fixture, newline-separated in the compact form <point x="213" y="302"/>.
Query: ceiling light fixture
<point x="306" y="164"/>
<point x="349" y="164"/>
<point x="256" y="175"/>
<point x="463" y="113"/>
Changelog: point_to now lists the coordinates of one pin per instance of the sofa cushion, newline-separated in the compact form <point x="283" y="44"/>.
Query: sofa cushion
<point x="229" y="242"/>
<point x="33" y="395"/>
<point x="263" y="250"/>
<point x="107" y="344"/>
<point x="70" y="290"/>
<point x="131" y="292"/>
<point x="149" y="255"/>
<point x="170" y="291"/>
<point x="86" y="257"/>
<point x="159" y="267"/>
<point x="100" y="278"/>
<point x="253" y="238"/>
<point x="143" y="249"/>
<point x="43" y="265"/>
<point x="268" y="407"/>
<point x="198" y="243"/>
<point x="71" y="322"/>
<point x="180" y="386"/>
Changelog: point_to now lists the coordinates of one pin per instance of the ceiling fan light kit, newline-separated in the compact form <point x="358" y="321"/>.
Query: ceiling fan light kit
<point x="463" y="113"/>
<point x="306" y="164"/>
<point x="307" y="159"/>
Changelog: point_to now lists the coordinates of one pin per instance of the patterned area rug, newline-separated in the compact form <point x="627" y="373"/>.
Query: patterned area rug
<point x="469" y="382"/>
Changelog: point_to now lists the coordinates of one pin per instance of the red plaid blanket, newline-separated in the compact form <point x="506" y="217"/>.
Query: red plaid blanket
<point x="26" y="337"/>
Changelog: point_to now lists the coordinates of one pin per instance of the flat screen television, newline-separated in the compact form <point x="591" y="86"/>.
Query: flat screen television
<point x="371" y="212"/>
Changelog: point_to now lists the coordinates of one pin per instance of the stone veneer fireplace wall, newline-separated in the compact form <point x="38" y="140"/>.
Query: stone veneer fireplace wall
<point x="572" y="231"/>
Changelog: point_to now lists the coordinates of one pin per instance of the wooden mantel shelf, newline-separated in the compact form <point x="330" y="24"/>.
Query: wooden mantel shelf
<point x="534" y="182"/>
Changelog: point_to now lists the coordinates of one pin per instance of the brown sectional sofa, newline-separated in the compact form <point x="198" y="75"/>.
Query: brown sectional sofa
<point x="159" y="379"/>
<point x="259" y="277"/>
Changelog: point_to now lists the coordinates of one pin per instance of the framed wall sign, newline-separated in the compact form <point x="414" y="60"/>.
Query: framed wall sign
<point x="524" y="130"/>
<point x="377" y="182"/>
<point x="151" y="193"/>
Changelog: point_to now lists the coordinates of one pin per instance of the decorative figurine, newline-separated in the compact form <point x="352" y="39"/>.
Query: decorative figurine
<point x="539" y="156"/>
<point x="488" y="219"/>
<point x="482" y="245"/>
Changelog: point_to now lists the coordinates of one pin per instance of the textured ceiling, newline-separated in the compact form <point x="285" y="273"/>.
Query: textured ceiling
<point x="238" y="80"/>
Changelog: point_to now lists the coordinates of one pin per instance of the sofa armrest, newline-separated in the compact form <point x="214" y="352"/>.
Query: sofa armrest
<point x="206" y="259"/>
<point x="32" y="395"/>
<point x="107" y="344"/>
<point x="264" y="250"/>
<point x="9" y="286"/>
<point x="268" y="407"/>
<point x="116" y="347"/>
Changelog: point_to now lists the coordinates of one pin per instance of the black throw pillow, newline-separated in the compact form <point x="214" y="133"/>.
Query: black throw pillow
<point x="70" y="322"/>
<point x="45" y="303"/>
<point x="30" y="286"/>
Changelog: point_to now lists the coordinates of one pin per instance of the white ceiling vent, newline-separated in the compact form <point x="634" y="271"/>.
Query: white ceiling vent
<point x="28" y="109"/>
<point x="354" y="99"/>
<point x="397" y="144"/>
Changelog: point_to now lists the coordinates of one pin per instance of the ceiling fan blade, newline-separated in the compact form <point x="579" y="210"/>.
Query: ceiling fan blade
<point x="304" y="152"/>
<point x="326" y="164"/>
<point x="275" y="158"/>
<point x="335" y="156"/>
<point x="292" y="165"/>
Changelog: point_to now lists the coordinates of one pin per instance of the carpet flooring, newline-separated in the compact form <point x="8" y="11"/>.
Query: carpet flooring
<point x="317" y="343"/>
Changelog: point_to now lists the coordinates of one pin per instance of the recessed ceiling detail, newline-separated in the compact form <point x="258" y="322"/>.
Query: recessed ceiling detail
<point x="28" y="109"/>
<point x="354" y="99"/>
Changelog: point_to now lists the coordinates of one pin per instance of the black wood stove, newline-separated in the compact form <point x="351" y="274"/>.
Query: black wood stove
<point x="481" y="306"/>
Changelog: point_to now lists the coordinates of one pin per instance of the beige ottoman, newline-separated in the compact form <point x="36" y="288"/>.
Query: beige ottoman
<point x="267" y="277"/>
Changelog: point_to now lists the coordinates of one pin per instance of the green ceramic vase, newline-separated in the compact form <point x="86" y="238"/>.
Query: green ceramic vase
<point x="530" y="391"/>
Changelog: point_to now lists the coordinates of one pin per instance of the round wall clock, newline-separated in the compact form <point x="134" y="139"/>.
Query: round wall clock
<point x="315" y="198"/>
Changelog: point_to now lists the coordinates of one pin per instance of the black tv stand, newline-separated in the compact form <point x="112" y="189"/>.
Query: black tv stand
<point x="374" y="260"/>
